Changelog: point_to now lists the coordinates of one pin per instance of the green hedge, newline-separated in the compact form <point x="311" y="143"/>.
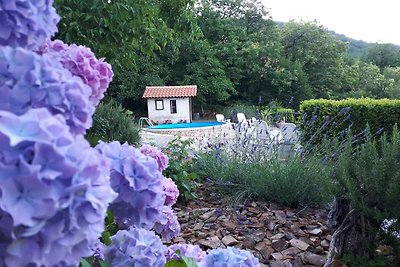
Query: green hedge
<point x="377" y="113"/>
<point x="111" y="122"/>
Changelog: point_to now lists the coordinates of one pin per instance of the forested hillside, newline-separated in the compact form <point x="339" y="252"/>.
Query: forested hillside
<point x="229" y="48"/>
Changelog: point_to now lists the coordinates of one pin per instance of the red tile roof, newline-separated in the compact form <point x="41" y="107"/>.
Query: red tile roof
<point x="170" y="91"/>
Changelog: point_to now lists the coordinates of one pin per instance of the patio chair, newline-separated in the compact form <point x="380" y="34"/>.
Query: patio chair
<point x="289" y="133"/>
<point x="220" y="118"/>
<point x="261" y="130"/>
<point x="241" y="118"/>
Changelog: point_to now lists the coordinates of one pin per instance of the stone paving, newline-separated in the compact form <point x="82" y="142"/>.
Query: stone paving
<point x="278" y="236"/>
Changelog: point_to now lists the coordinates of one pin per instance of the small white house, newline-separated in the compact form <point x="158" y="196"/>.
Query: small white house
<point x="170" y="103"/>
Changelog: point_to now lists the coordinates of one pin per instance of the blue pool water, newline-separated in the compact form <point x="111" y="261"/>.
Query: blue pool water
<point x="185" y="125"/>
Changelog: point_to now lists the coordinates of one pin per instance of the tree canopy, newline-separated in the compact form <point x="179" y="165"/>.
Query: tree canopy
<point x="231" y="49"/>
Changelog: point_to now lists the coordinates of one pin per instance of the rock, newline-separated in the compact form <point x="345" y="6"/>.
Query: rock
<point x="316" y="231"/>
<point x="289" y="236"/>
<point x="277" y="236"/>
<point x="277" y="256"/>
<point x="325" y="244"/>
<point x="198" y="226"/>
<point x="248" y="242"/>
<point x="290" y="213"/>
<point x="265" y="250"/>
<point x="210" y="244"/>
<point x="329" y="238"/>
<point x="299" y="244"/>
<point x="280" y="244"/>
<point x="207" y="215"/>
<point x="292" y="251"/>
<point x="298" y="262"/>
<point x="253" y="210"/>
<point x="258" y="236"/>
<point x="313" y="259"/>
<point x="277" y="264"/>
<point x="229" y="240"/>
<point x="229" y="225"/>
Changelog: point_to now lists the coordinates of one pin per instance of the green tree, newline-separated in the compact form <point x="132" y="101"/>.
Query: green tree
<point x="127" y="33"/>
<point x="393" y="76"/>
<point x="384" y="55"/>
<point x="319" y="53"/>
<point x="198" y="65"/>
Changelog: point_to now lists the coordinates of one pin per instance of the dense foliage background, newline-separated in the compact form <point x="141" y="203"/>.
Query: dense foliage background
<point x="231" y="49"/>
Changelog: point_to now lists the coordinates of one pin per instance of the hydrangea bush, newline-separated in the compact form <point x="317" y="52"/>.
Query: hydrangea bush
<point x="81" y="62"/>
<point x="161" y="158"/>
<point x="175" y="252"/>
<point x="229" y="257"/>
<point x="56" y="190"/>
<point x="29" y="81"/>
<point x="136" y="179"/>
<point x="136" y="247"/>
<point x="27" y="23"/>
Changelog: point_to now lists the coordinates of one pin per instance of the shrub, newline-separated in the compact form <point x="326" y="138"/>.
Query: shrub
<point x="248" y="110"/>
<point x="274" y="112"/>
<point x="111" y="122"/>
<point x="366" y="179"/>
<point x="336" y="116"/>
<point x="180" y="168"/>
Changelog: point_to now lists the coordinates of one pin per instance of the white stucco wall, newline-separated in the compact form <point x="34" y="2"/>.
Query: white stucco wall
<point x="183" y="110"/>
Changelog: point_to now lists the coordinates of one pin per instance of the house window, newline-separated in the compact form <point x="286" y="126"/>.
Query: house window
<point x="159" y="104"/>
<point x="173" y="106"/>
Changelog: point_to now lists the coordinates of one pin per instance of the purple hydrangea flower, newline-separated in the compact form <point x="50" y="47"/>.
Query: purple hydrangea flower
<point x="229" y="257"/>
<point x="168" y="226"/>
<point x="190" y="251"/>
<point x="82" y="62"/>
<point x="136" y="247"/>
<point x="171" y="191"/>
<point x="28" y="80"/>
<point x="27" y="23"/>
<point x="98" y="249"/>
<point x="137" y="180"/>
<point x="160" y="157"/>
<point x="55" y="190"/>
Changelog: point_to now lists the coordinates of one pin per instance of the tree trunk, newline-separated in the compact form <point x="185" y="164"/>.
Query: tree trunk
<point x="354" y="235"/>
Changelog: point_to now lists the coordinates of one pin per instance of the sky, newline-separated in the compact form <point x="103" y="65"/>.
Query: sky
<point x="368" y="20"/>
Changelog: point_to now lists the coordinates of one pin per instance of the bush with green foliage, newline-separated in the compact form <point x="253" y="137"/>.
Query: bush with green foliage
<point x="368" y="177"/>
<point x="231" y="111"/>
<point x="111" y="122"/>
<point x="180" y="168"/>
<point x="275" y="112"/>
<point x="328" y="118"/>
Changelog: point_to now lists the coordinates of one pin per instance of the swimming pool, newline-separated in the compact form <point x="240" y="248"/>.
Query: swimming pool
<point x="191" y="125"/>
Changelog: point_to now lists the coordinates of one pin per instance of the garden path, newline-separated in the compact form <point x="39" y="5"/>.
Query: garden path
<point x="278" y="236"/>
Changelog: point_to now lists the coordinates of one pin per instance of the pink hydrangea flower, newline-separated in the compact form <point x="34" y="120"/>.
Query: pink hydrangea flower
<point x="168" y="226"/>
<point x="190" y="251"/>
<point x="171" y="191"/>
<point x="82" y="62"/>
<point x="160" y="157"/>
